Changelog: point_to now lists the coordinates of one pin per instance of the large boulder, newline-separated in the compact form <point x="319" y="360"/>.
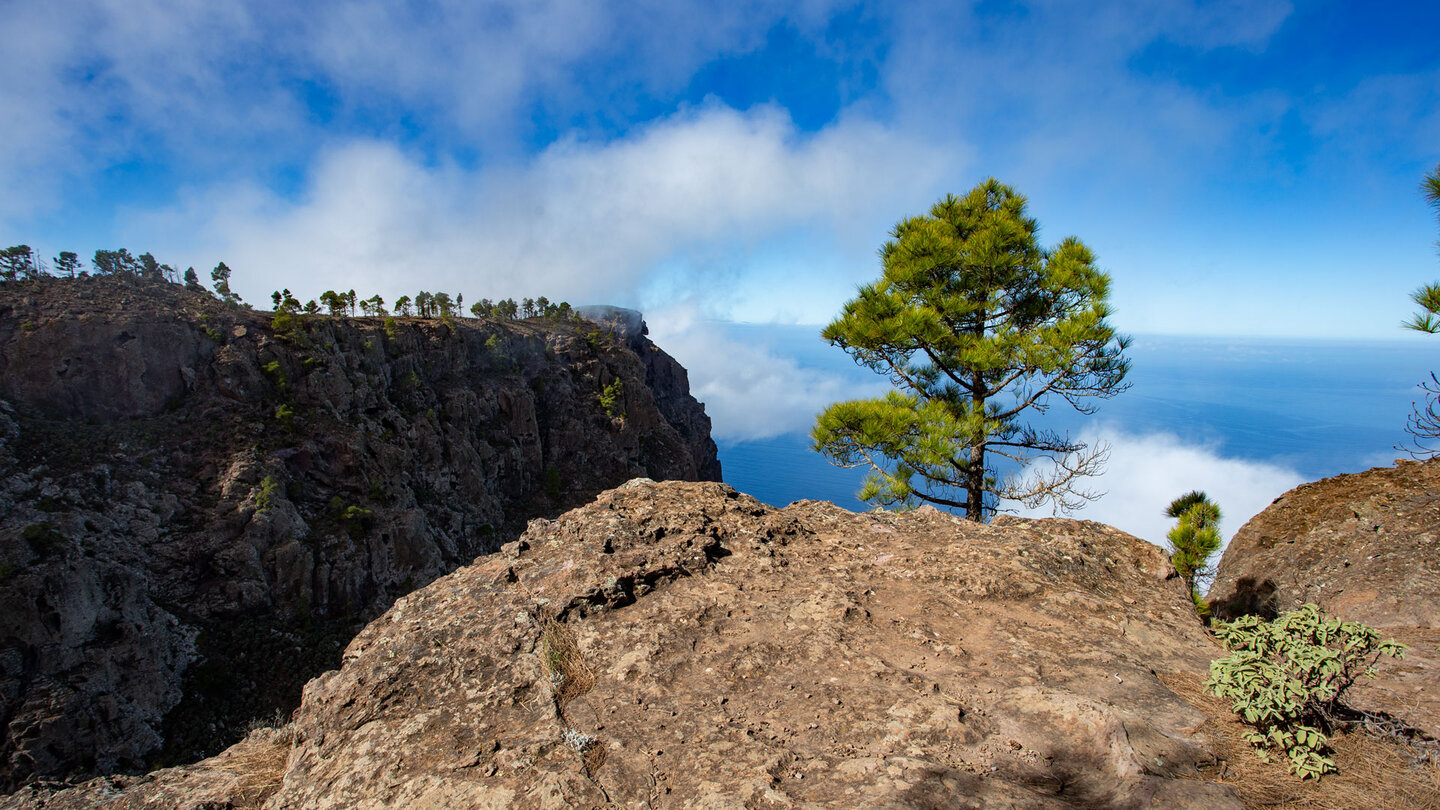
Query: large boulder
<point x="681" y="645"/>
<point x="1365" y="546"/>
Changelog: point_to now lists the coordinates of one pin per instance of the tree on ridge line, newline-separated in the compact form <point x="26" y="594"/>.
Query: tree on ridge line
<point x="975" y="324"/>
<point x="1424" y="422"/>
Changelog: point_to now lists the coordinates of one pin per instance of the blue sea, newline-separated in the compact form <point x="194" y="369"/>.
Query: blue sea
<point x="1308" y="408"/>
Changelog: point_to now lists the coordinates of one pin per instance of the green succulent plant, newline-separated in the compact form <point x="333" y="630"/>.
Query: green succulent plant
<point x="1286" y="677"/>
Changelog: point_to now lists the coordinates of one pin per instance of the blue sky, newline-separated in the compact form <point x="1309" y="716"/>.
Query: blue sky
<point x="1240" y="167"/>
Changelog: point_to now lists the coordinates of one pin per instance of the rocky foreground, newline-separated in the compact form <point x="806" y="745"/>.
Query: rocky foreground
<point x="682" y="645"/>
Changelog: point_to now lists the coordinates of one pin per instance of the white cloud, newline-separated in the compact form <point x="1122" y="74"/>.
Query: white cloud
<point x="750" y="390"/>
<point x="226" y="90"/>
<point x="1145" y="473"/>
<point x="583" y="221"/>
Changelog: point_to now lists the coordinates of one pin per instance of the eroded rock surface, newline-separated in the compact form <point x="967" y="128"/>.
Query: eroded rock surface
<point x="197" y="512"/>
<point x="683" y="646"/>
<point x="1364" y="547"/>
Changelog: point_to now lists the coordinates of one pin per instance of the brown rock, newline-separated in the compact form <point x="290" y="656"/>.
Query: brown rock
<point x="681" y="645"/>
<point x="1365" y="546"/>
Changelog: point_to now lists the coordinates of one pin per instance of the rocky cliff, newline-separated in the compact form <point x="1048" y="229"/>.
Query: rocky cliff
<point x="685" y="646"/>
<point x="199" y="506"/>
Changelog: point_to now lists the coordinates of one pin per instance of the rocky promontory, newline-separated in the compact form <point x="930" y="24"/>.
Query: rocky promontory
<point x="678" y="645"/>
<point x="200" y="505"/>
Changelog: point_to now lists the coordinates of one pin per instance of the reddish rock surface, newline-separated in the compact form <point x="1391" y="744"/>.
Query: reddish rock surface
<point x="684" y="646"/>
<point x="1365" y="546"/>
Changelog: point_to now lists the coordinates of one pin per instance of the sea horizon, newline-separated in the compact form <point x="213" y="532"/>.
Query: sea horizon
<point x="1246" y="418"/>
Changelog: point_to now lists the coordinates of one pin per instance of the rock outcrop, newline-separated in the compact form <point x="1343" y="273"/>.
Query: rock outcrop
<point x="667" y="380"/>
<point x="1364" y="547"/>
<point x="681" y="645"/>
<point x="199" y="506"/>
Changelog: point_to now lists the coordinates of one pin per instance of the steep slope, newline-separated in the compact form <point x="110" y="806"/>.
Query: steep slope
<point x="680" y="645"/>
<point x="197" y="512"/>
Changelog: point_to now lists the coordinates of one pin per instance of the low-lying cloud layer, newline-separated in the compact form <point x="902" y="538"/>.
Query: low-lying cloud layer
<point x="1146" y="472"/>
<point x="750" y="390"/>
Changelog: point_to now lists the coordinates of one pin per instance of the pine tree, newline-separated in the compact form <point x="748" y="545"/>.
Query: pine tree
<point x="67" y="263"/>
<point x="17" y="262"/>
<point x="1424" y="422"/>
<point x="1195" y="538"/>
<point x="1428" y="296"/>
<point x="975" y="324"/>
<point x="442" y="305"/>
<point x="220" y="276"/>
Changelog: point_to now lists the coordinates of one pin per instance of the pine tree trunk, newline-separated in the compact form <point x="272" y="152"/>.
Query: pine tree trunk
<point x="975" y="476"/>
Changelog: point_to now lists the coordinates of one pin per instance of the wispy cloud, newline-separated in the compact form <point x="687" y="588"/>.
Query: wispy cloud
<point x="584" y="221"/>
<point x="750" y="390"/>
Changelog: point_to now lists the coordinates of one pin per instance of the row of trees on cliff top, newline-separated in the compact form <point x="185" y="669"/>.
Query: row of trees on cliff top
<point x="424" y="305"/>
<point x="20" y="262"/>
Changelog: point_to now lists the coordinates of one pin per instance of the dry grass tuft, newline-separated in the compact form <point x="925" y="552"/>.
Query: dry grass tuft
<point x="258" y="762"/>
<point x="1373" y="772"/>
<point x="570" y="677"/>
<point x="594" y="758"/>
<point x="570" y="674"/>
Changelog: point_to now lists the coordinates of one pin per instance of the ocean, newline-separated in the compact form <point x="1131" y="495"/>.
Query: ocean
<point x="1247" y="414"/>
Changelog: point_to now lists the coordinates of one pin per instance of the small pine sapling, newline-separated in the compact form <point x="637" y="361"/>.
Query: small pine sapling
<point x="1195" y="538"/>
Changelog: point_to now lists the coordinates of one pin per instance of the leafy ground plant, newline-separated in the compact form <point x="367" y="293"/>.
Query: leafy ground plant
<point x="1285" y="678"/>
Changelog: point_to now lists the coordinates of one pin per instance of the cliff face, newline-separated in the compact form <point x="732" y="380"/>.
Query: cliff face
<point x="197" y="512"/>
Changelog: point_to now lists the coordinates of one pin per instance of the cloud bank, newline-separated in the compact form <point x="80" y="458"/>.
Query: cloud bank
<point x="581" y="221"/>
<point x="750" y="390"/>
<point x="1148" y="471"/>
